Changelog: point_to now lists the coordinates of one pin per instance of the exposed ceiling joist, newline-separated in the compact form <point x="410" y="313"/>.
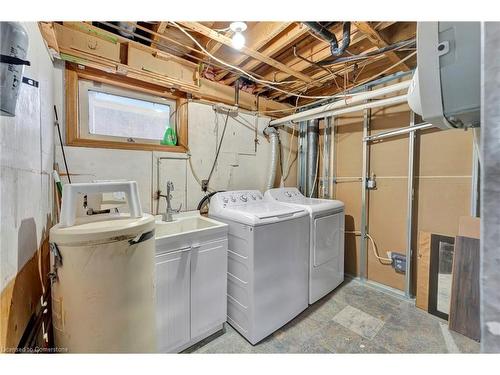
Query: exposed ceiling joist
<point x="317" y="51"/>
<point x="212" y="34"/>
<point x="379" y="41"/>
<point x="217" y="46"/>
<point x="277" y="45"/>
<point x="257" y="37"/>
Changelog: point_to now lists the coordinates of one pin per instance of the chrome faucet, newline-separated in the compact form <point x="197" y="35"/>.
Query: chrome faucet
<point x="167" y="215"/>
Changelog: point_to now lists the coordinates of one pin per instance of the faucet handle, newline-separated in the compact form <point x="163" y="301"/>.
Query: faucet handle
<point x="179" y="209"/>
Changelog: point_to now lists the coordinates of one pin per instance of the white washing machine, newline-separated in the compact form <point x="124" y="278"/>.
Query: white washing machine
<point x="268" y="261"/>
<point x="326" y="263"/>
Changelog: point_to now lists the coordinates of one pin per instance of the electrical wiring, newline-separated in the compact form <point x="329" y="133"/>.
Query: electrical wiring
<point x="288" y="165"/>
<point x="270" y="84"/>
<point x="267" y="83"/>
<point x="374" y="246"/>
<point x="218" y="148"/>
<point x="351" y="88"/>
<point x="157" y="43"/>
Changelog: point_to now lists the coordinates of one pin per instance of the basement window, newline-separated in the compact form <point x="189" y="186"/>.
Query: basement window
<point x="115" y="114"/>
<point x="120" y="116"/>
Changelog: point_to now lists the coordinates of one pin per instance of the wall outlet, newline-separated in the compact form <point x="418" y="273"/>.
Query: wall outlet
<point x="398" y="262"/>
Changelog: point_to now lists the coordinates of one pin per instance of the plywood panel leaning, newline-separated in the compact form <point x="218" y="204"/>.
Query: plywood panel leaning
<point x="423" y="265"/>
<point x="464" y="306"/>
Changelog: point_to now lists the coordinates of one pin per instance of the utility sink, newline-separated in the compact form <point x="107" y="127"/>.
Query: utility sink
<point x="186" y="229"/>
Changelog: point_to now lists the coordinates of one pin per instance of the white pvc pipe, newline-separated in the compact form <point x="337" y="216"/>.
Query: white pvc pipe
<point x="327" y="109"/>
<point x="377" y="103"/>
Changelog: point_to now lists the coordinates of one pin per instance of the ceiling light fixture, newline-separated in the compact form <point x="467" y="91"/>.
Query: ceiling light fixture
<point x="238" y="40"/>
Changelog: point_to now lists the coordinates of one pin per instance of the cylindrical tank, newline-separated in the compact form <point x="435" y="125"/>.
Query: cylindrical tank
<point x="103" y="297"/>
<point x="13" y="42"/>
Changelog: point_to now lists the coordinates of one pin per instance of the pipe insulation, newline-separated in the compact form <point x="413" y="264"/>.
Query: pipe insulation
<point x="312" y="158"/>
<point x="329" y="109"/>
<point x="273" y="135"/>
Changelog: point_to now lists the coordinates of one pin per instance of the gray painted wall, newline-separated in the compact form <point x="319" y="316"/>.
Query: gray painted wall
<point x="490" y="191"/>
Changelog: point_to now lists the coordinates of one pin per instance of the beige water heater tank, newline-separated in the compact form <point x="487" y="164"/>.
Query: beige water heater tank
<point x="103" y="297"/>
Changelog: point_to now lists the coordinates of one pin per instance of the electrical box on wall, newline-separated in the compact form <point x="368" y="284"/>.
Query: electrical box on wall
<point x="398" y="262"/>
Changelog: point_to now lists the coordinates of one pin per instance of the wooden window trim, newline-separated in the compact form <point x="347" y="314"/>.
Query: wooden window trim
<point x="74" y="74"/>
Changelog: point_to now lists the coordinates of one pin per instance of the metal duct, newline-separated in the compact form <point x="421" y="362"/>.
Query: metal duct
<point x="272" y="133"/>
<point x="312" y="158"/>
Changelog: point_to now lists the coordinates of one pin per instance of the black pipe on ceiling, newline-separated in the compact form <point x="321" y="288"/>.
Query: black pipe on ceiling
<point x="322" y="31"/>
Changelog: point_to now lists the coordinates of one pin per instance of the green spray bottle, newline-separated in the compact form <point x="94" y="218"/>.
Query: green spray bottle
<point x="169" y="138"/>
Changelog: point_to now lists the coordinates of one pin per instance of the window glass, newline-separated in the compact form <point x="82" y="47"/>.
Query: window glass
<point x="120" y="116"/>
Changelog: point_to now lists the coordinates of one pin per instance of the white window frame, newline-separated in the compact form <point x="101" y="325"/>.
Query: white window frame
<point x="84" y="86"/>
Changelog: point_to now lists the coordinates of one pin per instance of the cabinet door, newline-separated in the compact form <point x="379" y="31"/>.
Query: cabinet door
<point x="208" y="286"/>
<point x="172" y="299"/>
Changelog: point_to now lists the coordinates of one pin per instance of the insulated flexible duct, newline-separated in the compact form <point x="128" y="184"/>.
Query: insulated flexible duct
<point x="273" y="135"/>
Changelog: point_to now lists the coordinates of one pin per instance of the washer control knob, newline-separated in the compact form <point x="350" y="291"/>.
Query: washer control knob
<point x="243" y="198"/>
<point x="233" y="199"/>
<point x="288" y="194"/>
<point x="225" y="200"/>
<point x="254" y="197"/>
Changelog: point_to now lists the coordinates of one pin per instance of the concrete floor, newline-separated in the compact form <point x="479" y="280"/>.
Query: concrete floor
<point x="352" y="319"/>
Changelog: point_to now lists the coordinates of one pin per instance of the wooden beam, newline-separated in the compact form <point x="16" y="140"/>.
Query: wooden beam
<point x="316" y="51"/>
<point x="379" y="41"/>
<point x="212" y="34"/>
<point x="158" y="29"/>
<point x="372" y="69"/>
<point x="326" y="78"/>
<point x="285" y="40"/>
<point x="217" y="46"/>
<point x="399" y="31"/>
<point x="49" y="35"/>
<point x="258" y="36"/>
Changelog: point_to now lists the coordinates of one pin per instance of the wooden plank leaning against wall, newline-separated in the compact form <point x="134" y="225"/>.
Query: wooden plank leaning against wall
<point x="443" y="168"/>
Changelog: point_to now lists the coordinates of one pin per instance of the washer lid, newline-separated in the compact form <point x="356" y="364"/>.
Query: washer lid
<point x="265" y="210"/>
<point x="101" y="228"/>
<point x="259" y="214"/>
<point x="292" y="196"/>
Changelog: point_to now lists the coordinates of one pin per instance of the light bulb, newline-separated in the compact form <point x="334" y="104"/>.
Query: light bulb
<point x="238" y="40"/>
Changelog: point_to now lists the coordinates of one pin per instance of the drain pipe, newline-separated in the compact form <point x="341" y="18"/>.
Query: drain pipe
<point x="312" y="158"/>
<point x="330" y="37"/>
<point x="273" y="135"/>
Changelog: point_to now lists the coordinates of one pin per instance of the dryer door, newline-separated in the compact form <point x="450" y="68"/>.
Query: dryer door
<point x="327" y="238"/>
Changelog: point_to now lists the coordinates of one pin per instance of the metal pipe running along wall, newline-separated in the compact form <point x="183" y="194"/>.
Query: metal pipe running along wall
<point x="345" y="106"/>
<point x="312" y="158"/>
